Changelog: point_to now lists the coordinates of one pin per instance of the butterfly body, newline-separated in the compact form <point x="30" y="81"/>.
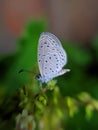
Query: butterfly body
<point x="51" y="57"/>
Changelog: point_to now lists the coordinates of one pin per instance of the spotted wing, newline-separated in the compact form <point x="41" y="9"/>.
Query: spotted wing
<point x="51" y="55"/>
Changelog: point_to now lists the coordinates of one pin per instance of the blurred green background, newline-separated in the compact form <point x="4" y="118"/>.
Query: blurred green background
<point x="71" y="101"/>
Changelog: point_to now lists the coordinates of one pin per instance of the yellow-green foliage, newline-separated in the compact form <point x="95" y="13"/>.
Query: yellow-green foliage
<point x="69" y="102"/>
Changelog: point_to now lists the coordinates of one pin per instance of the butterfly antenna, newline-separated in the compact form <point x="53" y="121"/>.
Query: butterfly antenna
<point x="20" y="71"/>
<point x="23" y="70"/>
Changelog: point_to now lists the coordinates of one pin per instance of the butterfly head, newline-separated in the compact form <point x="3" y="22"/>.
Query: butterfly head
<point x="43" y="79"/>
<point x="38" y="77"/>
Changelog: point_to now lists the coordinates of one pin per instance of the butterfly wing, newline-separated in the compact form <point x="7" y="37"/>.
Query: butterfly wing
<point x="51" y="55"/>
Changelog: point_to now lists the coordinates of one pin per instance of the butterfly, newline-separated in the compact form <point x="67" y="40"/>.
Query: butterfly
<point x="51" y="57"/>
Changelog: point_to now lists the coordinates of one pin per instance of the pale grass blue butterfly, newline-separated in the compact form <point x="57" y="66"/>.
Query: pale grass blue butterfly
<point x="51" y="57"/>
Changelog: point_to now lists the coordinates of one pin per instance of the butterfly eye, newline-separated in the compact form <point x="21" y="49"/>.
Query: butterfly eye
<point x="38" y="77"/>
